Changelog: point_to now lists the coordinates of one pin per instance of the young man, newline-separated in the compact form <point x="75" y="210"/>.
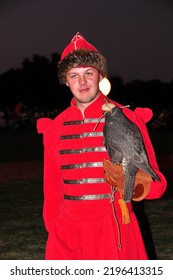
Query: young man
<point x="82" y="211"/>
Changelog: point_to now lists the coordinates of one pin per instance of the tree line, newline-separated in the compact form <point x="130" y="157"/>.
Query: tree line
<point x="36" y="84"/>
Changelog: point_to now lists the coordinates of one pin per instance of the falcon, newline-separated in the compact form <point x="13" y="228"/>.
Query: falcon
<point x="124" y="144"/>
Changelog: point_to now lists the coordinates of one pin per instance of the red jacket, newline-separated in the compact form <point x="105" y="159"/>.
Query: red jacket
<point x="73" y="157"/>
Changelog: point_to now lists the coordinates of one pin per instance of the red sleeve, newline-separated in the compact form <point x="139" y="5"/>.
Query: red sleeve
<point x="140" y="116"/>
<point x="50" y="181"/>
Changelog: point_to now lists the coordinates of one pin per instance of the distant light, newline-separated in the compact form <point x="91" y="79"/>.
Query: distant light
<point x="105" y="86"/>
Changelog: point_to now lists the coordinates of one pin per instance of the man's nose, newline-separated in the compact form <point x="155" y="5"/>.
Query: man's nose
<point x="82" y="80"/>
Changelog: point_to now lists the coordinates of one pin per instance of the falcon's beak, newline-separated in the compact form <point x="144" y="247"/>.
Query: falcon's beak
<point x="108" y="107"/>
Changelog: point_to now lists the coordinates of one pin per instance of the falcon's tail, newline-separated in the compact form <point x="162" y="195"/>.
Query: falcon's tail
<point x="147" y="169"/>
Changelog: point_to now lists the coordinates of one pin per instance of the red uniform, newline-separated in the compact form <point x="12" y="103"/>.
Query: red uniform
<point x="80" y="220"/>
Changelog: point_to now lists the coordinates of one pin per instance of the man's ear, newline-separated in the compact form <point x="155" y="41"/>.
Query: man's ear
<point x="67" y="84"/>
<point x="101" y="77"/>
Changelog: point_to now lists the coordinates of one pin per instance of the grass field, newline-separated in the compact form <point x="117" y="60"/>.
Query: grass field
<point x="22" y="233"/>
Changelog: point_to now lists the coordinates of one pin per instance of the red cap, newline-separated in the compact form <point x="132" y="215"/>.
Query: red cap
<point x="78" y="42"/>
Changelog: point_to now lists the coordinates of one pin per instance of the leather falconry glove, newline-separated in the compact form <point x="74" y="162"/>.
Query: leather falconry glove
<point x="114" y="175"/>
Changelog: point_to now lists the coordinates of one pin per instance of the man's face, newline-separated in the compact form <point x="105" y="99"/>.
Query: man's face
<point x="84" y="84"/>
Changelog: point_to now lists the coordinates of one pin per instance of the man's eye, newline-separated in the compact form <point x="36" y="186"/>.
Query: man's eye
<point x="89" y="73"/>
<point x="73" y="76"/>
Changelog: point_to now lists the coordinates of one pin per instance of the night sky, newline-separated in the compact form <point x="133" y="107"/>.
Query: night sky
<point x="136" y="36"/>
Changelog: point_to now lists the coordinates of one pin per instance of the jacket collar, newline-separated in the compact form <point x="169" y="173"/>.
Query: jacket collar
<point x="94" y="109"/>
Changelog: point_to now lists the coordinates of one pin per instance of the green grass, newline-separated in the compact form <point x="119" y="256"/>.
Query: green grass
<point x="22" y="233"/>
<point x="160" y="214"/>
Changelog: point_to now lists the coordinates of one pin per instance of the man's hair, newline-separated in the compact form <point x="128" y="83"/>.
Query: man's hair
<point x="81" y="58"/>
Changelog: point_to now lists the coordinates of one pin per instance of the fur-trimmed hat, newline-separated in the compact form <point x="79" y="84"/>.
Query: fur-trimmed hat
<point x="80" y="53"/>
